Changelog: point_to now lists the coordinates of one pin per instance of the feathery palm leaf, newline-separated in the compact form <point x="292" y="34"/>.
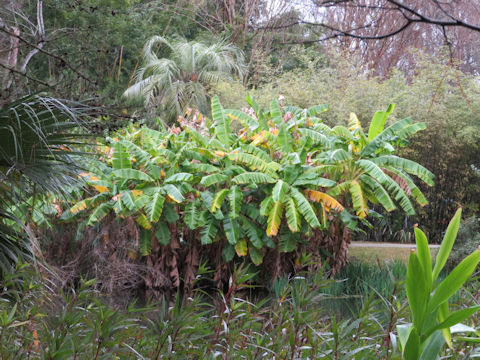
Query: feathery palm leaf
<point x="35" y="156"/>
<point x="181" y="79"/>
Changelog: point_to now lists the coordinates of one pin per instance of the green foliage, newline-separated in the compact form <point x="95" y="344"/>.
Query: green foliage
<point x="39" y="321"/>
<point x="116" y="31"/>
<point x="359" y="279"/>
<point x="429" y="299"/>
<point x="266" y="186"/>
<point x="434" y="92"/>
<point x="37" y="155"/>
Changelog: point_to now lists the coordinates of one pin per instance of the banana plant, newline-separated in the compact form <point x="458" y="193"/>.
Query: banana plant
<point x="365" y="169"/>
<point x="137" y="178"/>
<point x="276" y="158"/>
<point x="284" y="175"/>
<point x="428" y="297"/>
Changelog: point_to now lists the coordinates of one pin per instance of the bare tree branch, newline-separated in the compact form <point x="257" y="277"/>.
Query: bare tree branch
<point x="40" y="49"/>
<point x="24" y="74"/>
<point x="410" y="14"/>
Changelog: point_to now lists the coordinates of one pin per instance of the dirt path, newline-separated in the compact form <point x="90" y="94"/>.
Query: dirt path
<point x="387" y="245"/>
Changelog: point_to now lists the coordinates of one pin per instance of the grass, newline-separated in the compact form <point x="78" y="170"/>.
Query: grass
<point x="374" y="254"/>
<point x="359" y="278"/>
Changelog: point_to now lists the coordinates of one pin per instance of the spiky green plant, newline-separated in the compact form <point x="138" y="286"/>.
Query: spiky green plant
<point x="428" y="298"/>
<point x="35" y="157"/>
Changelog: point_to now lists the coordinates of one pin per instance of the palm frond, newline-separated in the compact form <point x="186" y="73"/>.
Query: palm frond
<point x="37" y="137"/>
<point x="180" y="80"/>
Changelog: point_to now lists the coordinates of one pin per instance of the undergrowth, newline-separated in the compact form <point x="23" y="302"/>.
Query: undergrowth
<point x="39" y="320"/>
<point x="360" y="278"/>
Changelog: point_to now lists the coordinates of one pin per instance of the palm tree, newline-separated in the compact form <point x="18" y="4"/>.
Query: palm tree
<point x="35" y="157"/>
<point x="182" y="79"/>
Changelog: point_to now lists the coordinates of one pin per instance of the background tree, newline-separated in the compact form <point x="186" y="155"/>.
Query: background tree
<point x="381" y="30"/>
<point x="182" y="79"/>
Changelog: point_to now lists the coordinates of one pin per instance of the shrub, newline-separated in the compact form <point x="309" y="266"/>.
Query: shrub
<point x="286" y="183"/>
